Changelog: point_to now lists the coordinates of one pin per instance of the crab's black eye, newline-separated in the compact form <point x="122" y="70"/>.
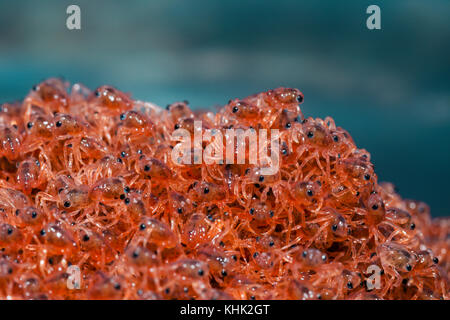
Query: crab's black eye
<point x="142" y="226"/>
<point x="206" y="190"/>
<point x="252" y="211"/>
<point x="408" y="267"/>
<point x="117" y="286"/>
<point x="122" y="197"/>
<point x="119" y="160"/>
<point x="367" y="177"/>
<point x="9" y="231"/>
<point x="86" y="238"/>
<point x="261" y="178"/>
<point x="201" y="272"/>
<point x="180" y="210"/>
<point x="29" y="125"/>
<point x="42" y="232"/>
<point x="127" y="200"/>
<point x="224" y="273"/>
<point x="235" y="109"/>
<point x="58" y="123"/>
<point x="271" y="243"/>
<point x="127" y="189"/>
<point x="436" y="260"/>
<point x="177" y="126"/>
<point x="375" y="207"/>
<point x="412" y="226"/>
<point x="123" y="154"/>
<point x="271" y="213"/>
<point x="146" y="167"/>
<point x="299" y="98"/>
<point x="334" y="227"/>
<point x="34" y="88"/>
<point x="34" y="214"/>
<point x="309" y="192"/>
<point x="288" y="125"/>
<point x="284" y="152"/>
<point x="304" y="254"/>
<point x="349" y="285"/>
<point x="310" y="134"/>
<point x="67" y="204"/>
<point x="324" y="257"/>
<point x="335" y="138"/>
<point x="122" y="116"/>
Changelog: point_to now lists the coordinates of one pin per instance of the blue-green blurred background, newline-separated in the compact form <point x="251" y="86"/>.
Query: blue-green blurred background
<point x="390" y="88"/>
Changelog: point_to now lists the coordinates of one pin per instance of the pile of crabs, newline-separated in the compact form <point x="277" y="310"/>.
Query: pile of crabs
<point x="93" y="205"/>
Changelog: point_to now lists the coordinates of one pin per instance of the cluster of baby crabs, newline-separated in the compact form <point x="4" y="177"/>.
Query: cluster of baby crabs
<point x="87" y="181"/>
